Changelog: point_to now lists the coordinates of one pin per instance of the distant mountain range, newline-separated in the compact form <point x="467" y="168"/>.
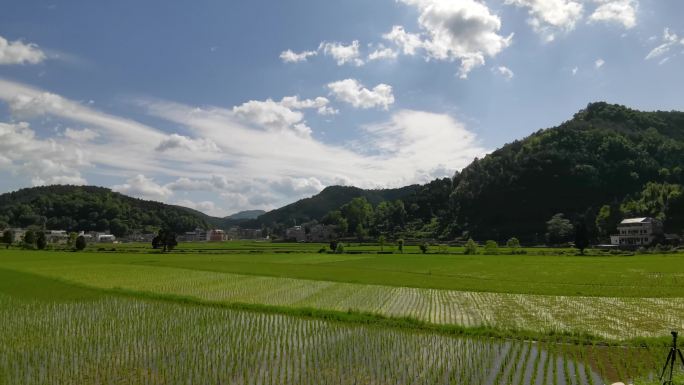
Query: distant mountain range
<point x="605" y="155"/>
<point x="247" y="214"/>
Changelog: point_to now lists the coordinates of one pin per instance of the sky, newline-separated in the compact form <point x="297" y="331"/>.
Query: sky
<point x="224" y="106"/>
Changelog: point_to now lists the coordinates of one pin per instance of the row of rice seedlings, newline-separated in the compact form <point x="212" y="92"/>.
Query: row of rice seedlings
<point x="609" y="317"/>
<point x="127" y="341"/>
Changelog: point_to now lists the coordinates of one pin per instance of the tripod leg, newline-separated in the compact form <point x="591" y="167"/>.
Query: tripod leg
<point x="680" y="356"/>
<point x="667" y="361"/>
<point x="674" y="359"/>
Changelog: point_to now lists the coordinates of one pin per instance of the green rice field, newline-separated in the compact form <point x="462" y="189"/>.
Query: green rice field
<point x="261" y="313"/>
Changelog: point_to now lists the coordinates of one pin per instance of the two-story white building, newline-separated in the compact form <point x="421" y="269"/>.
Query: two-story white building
<point x="636" y="232"/>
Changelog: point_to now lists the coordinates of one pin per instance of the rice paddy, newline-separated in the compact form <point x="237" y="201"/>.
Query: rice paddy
<point x="138" y="318"/>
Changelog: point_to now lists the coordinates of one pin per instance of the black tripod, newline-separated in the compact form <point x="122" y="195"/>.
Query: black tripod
<point x="672" y="359"/>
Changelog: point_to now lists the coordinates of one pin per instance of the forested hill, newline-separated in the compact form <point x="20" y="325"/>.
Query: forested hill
<point x="331" y="198"/>
<point x="607" y="158"/>
<point x="76" y="208"/>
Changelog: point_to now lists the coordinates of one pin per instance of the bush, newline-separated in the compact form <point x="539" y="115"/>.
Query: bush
<point x="491" y="247"/>
<point x="424" y="247"/>
<point x="80" y="243"/>
<point x="41" y="241"/>
<point x="339" y="249"/>
<point x="322" y="250"/>
<point x="333" y="245"/>
<point x="471" y="247"/>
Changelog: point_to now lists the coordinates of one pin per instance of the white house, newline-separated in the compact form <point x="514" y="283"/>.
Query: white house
<point x="635" y="232"/>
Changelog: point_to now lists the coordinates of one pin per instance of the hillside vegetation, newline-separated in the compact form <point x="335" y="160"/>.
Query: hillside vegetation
<point x="76" y="208"/>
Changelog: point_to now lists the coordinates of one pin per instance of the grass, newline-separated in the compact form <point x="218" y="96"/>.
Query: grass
<point x="608" y="318"/>
<point x="649" y="275"/>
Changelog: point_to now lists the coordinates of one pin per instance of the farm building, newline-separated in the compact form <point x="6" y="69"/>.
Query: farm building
<point x="636" y="232"/>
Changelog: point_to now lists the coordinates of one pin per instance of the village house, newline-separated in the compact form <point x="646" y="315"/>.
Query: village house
<point x="216" y="235"/>
<point x="637" y="232"/>
<point x="295" y="233"/>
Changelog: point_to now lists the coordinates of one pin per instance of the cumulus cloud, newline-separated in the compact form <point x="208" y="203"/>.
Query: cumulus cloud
<point x="616" y="11"/>
<point x="320" y="104"/>
<point x="143" y="187"/>
<point x="599" y="63"/>
<point x="43" y="161"/>
<point x="343" y="54"/>
<point x="175" y="141"/>
<point x="290" y="56"/>
<point x="383" y="52"/>
<point x="18" y="52"/>
<point x="409" y="43"/>
<point x="669" y="41"/>
<point x="272" y="115"/>
<point x="464" y="30"/>
<point x="352" y="92"/>
<point x="548" y="17"/>
<point x="505" y="72"/>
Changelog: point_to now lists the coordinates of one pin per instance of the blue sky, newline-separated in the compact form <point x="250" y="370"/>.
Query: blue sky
<point x="224" y="106"/>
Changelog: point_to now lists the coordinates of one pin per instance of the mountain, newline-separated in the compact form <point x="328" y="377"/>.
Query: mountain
<point x="76" y="208"/>
<point x="605" y="155"/>
<point x="247" y="214"/>
<point x="331" y="198"/>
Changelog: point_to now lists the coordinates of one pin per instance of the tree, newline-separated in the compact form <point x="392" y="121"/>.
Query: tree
<point x="41" y="240"/>
<point x="400" y="245"/>
<point x="80" y="243"/>
<point x="381" y="242"/>
<point x="118" y="228"/>
<point x="471" y="247"/>
<point x="333" y="245"/>
<point x="581" y="236"/>
<point x="360" y="232"/>
<point x="8" y="238"/>
<point x="491" y="247"/>
<point x="166" y="239"/>
<point x="30" y="238"/>
<point x="607" y="219"/>
<point x="558" y="230"/>
<point x="513" y="243"/>
<point x="71" y="241"/>
<point x="424" y="247"/>
<point x="339" y="249"/>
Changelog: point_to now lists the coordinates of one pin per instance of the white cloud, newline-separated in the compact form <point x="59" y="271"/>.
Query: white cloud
<point x="383" y="52"/>
<point x="426" y="144"/>
<point x="43" y="161"/>
<point x="320" y="104"/>
<point x="142" y="187"/>
<point x="207" y="207"/>
<point x="354" y="93"/>
<point x="463" y="30"/>
<point x="17" y="52"/>
<point x="290" y="56"/>
<point x="574" y="71"/>
<point x="255" y="167"/>
<point x="548" y="17"/>
<point x="175" y="141"/>
<point x="272" y="115"/>
<point x="505" y="72"/>
<point x="84" y="135"/>
<point x="343" y="54"/>
<point x="617" y="11"/>
<point x="409" y="43"/>
<point x="669" y="40"/>
<point x="599" y="63"/>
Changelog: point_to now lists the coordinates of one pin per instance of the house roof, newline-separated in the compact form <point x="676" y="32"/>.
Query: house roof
<point x="636" y="220"/>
